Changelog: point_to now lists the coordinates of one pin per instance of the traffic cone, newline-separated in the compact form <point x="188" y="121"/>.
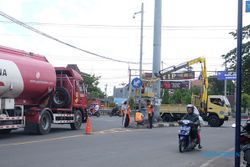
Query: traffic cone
<point x="88" y="129"/>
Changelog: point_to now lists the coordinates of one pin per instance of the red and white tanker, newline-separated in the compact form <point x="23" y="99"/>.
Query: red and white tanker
<point x="34" y="94"/>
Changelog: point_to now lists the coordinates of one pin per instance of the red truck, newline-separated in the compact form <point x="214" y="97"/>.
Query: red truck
<point x="34" y="94"/>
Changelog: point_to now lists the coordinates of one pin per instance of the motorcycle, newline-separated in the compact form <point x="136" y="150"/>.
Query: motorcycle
<point x="94" y="111"/>
<point x="116" y="111"/>
<point x="185" y="141"/>
<point x="245" y="142"/>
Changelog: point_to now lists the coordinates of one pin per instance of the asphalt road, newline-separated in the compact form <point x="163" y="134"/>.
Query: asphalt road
<point x="111" y="145"/>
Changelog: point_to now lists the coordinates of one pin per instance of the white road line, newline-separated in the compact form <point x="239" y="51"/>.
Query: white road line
<point x="107" y="131"/>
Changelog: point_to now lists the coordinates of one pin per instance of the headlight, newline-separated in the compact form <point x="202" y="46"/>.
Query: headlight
<point x="221" y="112"/>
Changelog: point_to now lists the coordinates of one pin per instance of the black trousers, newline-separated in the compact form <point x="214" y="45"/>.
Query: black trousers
<point x="150" y="120"/>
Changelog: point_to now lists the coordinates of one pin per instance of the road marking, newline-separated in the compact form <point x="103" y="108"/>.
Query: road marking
<point x="208" y="163"/>
<point x="103" y="132"/>
<point x="39" y="141"/>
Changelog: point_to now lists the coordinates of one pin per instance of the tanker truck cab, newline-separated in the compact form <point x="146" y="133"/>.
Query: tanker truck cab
<point x="219" y="109"/>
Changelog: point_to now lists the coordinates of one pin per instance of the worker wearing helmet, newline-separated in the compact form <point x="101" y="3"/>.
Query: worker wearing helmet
<point x="195" y="119"/>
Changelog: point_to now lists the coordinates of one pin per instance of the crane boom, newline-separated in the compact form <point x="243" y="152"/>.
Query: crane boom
<point x="200" y="60"/>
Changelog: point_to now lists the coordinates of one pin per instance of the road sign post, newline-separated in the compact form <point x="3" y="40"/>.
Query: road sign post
<point x="247" y="6"/>
<point x="238" y="84"/>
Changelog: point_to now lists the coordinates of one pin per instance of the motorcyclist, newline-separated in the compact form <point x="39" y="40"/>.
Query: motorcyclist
<point x="195" y="119"/>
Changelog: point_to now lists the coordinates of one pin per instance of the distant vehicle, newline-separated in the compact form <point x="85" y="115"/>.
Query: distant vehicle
<point x="94" y="110"/>
<point x="116" y="111"/>
<point x="34" y="94"/>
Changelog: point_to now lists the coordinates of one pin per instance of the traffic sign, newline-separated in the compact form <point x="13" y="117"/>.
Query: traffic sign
<point x="223" y="75"/>
<point x="136" y="83"/>
<point x="247" y="6"/>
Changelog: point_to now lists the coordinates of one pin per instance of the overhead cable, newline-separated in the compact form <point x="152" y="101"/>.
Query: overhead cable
<point x="60" y="41"/>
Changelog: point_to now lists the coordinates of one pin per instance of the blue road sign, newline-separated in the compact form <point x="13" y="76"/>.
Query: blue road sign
<point x="247" y="6"/>
<point x="136" y="83"/>
<point x="223" y="75"/>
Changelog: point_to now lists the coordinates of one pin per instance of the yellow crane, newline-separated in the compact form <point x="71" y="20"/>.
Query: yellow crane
<point x="210" y="108"/>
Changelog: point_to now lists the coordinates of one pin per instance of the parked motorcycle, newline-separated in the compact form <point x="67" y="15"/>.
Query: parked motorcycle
<point x="245" y="142"/>
<point x="186" y="143"/>
<point x="116" y="111"/>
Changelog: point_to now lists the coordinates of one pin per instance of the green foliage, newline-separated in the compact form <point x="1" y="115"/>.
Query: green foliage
<point x="165" y="97"/>
<point x="245" y="101"/>
<point x="179" y="96"/>
<point x="91" y="82"/>
<point x="230" y="58"/>
<point x="132" y="103"/>
<point x="216" y="87"/>
<point x="196" y="90"/>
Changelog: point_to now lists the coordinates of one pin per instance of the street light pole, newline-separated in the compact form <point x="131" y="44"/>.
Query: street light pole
<point x="141" y="49"/>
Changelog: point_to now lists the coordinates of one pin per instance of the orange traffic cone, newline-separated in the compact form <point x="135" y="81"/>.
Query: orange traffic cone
<point x="88" y="127"/>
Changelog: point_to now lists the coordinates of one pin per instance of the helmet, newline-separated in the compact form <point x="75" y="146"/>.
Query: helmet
<point x="190" y="106"/>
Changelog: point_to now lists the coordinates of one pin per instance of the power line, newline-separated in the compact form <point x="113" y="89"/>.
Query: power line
<point x="130" y="26"/>
<point x="60" y="41"/>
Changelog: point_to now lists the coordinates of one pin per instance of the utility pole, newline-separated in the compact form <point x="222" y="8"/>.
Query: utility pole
<point x="106" y="101"/>
<point x="225" y="81"/>
<point x="157" y="53"/>
<point x="141" y="49"/>
<point x="129" y="81"/>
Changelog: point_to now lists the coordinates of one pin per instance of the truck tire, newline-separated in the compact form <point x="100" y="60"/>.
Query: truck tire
<point x="44" y="125"/>
<point x="221" y="122"/>
<point x="84" y="116"/>
<point x="167" y="118"/>
<point x="78" y="121"/>
<point x="61" y="98"/>
<point x="214" y="121"/>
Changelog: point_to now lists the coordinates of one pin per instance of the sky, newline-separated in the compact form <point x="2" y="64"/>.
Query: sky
<point x="190" y="29"/>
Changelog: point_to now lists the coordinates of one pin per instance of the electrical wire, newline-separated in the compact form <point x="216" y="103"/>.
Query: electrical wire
<point x="60" y="41"/>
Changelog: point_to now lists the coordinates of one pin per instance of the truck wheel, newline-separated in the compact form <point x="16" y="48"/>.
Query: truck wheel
<point x="214" y="121"/>
<point x="61" y="98"/>
<point x="45" y="123"/>
<point x="78" y="121"/>
<point x="5" y="131"/>
<point x="167" y="118"/>
<point x="84" y="116"/>
<point x="221" y="122"/>
<point x="98" y="114"/>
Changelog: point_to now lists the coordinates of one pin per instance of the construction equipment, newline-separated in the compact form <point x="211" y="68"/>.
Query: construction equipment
<point x="210" y="108"/>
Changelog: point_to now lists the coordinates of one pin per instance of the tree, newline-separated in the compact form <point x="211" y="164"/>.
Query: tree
<point x="179" y="96"/>
<point x="216" y="87"/>
<point x="230" y="58"/>
<point x="91" y="82"/>
<point x="245" y="101"/>
<point x="165" y="97"/>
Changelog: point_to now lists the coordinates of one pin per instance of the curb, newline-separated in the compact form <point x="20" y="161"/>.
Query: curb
<point x="155" y="125"/>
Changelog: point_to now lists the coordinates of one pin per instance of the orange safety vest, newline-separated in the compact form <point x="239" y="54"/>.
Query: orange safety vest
<point x="138" y="117"/>
<point x="150" y="109"/>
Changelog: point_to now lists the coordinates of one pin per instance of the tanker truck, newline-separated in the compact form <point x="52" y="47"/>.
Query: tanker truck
<point x="34" y="94"/>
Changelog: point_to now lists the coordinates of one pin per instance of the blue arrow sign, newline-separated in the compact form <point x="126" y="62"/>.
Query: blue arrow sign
<point x="247" y="6"/>
<point x="136" y="83"/>
<point x="223" y="75"/>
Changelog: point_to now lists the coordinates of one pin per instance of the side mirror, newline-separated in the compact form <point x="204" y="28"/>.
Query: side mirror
<point x="222" y="103"/>
<point x="233" y="125"/>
